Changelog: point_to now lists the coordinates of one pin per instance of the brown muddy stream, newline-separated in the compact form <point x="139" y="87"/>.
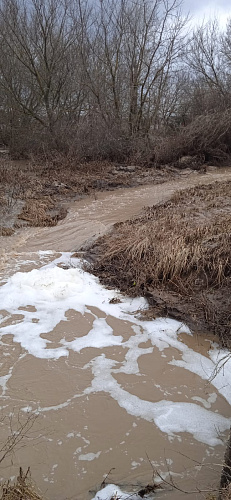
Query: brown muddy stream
<point x="110" y="390"/>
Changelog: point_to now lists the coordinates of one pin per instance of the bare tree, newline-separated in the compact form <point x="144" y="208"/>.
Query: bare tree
<point x="95" y="77"/>
<point x="132" y="47"/>
<point x="152" y="49"/>
<point x="204" y="57"/>
<point x="36" y="39"/>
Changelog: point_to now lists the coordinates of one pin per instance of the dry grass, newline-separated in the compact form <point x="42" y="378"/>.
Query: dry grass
<point x="169" y="250"/>
<point x="22" y="489"/>
<point x="36" y="212"/>
<point x="6" y="231"/>
<point x="176" y="242"/>
<point x="226" y="493"/>
<point x="182" y="246"/>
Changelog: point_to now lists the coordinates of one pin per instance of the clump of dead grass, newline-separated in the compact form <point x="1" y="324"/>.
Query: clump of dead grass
<point x="36" y="212"/>
<point x="6" y="231"/>
<point x="182" y="246"/>
<point x="225" y="493"/>
<point x="170" y="250"/>
<point x="174" y="243"/>
<point x="22" y="489"/>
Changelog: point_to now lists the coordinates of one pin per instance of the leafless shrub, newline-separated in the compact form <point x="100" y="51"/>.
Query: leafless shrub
<point x="19" y="431"/>
<point x="207" y="136"/>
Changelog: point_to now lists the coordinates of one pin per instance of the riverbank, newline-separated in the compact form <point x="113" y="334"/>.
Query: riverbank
<point x="178" y="255"/>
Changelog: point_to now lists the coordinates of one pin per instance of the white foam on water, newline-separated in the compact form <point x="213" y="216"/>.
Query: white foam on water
<point x="101" y="335"/>
<point x="170" y="417"/>
<point x="207" y="403"/>
<point x="208" y="369"/>
<point x="88" y="457"/>
<point x="130" y="364"/>
<point x="112" y="491"/>
<point x="27" y="409"/>
<point x="53" y="290"/>
<point x="4" y="379"/>
<point x="53" y="408"/>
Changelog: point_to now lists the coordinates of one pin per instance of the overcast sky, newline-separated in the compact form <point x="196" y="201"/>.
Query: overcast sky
<point x="200" y="9"/>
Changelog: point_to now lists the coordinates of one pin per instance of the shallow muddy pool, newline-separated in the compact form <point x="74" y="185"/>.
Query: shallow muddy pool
<point x="111" y="391"/>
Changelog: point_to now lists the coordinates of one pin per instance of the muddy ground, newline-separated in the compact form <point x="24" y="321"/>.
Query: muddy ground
<point x="178" y="255"/>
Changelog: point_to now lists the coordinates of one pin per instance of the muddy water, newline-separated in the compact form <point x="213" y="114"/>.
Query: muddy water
<point x="94" y="216"/>
<point x="110" y="391"/>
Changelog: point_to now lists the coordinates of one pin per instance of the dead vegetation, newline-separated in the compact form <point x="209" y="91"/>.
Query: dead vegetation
<point x="22" y="489"/>
<point x="20" y="431"/>
<point x="6" y="231"/>
<point x="225" y="483"/>
<point x="178" y="255"/>
<point x="226" y="493"/>
<point x="36" y="212"/>
<point x="206" y="138"/>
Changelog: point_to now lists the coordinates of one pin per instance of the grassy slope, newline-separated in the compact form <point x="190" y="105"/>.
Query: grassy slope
<point x="178" y="255"/>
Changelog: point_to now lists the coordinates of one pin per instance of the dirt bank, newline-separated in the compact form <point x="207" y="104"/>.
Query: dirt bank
<point x="178" y="255"/>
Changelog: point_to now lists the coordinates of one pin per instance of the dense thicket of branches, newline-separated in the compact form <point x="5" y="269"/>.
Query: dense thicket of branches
<point x="112" y="79"/>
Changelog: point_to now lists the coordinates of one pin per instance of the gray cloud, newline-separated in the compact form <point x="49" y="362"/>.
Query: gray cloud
<point x="198" y="5"/>
<point x="204" y="9"/>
